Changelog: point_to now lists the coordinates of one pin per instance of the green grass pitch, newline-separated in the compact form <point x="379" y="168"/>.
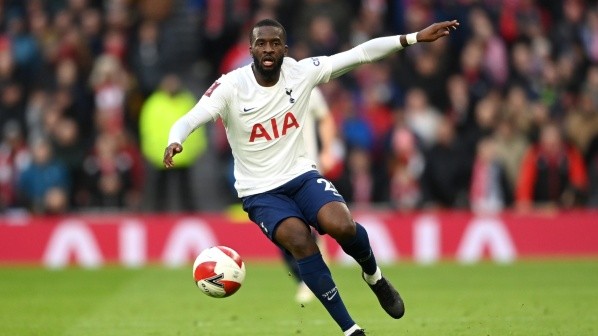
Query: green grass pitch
<point x="526" y="298"/>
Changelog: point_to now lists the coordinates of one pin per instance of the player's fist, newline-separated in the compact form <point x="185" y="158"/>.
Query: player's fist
<point x="436" y="31"/>
<point x="170" y="151"/>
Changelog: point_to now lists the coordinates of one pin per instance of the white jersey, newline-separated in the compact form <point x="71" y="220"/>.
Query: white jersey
<point x="264" y="124"/>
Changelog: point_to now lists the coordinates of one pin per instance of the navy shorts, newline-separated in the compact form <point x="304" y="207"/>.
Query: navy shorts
<point x="302" y="197"/>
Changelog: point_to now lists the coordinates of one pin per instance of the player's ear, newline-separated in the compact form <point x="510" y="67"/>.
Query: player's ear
<point x="286" y="49"/>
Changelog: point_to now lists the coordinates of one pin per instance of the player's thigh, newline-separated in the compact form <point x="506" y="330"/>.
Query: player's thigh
<point x="268" y="210"/>
<point x="323" y="207"/>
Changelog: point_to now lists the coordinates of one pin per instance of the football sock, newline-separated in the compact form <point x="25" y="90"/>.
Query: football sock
<point x="292" y="265"/>
<point x="359" y="248"/>
<point x="317" y="277"/>
<point x="372" y="279"/>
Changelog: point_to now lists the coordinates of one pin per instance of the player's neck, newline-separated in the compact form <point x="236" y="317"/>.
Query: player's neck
<point x="266" y="81"/>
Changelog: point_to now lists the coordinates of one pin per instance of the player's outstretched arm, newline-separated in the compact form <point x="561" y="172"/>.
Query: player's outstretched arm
<point x="381" y="47"/>
<point x="170" y="151"/>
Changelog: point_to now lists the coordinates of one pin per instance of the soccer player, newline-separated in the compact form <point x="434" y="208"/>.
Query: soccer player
<point x="263" y="107"/>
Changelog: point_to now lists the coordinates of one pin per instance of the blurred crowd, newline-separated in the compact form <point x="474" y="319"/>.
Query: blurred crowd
<point x="503" y="114"/>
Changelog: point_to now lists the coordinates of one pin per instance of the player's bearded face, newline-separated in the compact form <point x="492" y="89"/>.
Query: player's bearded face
<point x="268" y="50"/>
<point x="268" y="65"/>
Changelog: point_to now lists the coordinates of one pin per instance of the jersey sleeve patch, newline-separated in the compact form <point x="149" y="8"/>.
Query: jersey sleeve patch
<point x="211" y="89"/>
<point x="317" y="69"/>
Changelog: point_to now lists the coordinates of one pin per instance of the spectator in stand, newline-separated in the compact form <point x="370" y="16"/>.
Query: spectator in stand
<point x="486" y="116"/>
<point x="376" y="95"/>
<point x="92" y="25"/>
<point x="146" y="58"/>
<point x="523" y="71"/>
<point x="406" y="167"/>
<point x="590" y="86"/>
<point x="460" y="103"/>
<point x="426" y="69"/>
<point x="12" y="103"/>
<point x="128" y="146"/>
<point x="69" y="149"/>
<point x="581" y="122"/>
<point x="489" y="190"/>
<point x="421" y="117"/>
<point x="591" y="160"/>
<point x="75" y="99"/>
<point x="8" y="69"/>
<point x="325" y="22"/>
<point x="164" y="107"/>
<point x="12" y="95"/>
<point x="356" y="130"/>
<point x="550" y="89"/>
<point x="565" y="33"/>
<point x="517" y="18"/>
<point x="495" y="56"/>
<point x="44" y="184"/>
<point x="107" y="175"/>
<point x="472" y="69"/>
<point x="323" y="38"/>
<point x="552" y="174"/>
<point x="14" y="157"/>
<point x="24" y="47"/>
<point x="518" y="108"/>
<point x="369" y="23"/>
<point x="110" y="82"/>
<point x="444" y="182"/>
<point x="570" y="71"/>
<point x="589" y="35"/>
<point x="357" y="184"/>
<point x="511" y="146"/>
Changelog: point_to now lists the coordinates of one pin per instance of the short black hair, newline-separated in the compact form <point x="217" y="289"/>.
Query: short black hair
<point x="268" y="23"/>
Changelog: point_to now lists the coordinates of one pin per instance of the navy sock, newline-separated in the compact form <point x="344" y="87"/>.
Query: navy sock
<point x="359" y="248"/>
<point x="317" y="277"/>
<point x="292" y="265"/>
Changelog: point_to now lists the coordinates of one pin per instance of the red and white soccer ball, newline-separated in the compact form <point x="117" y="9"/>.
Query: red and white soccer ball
<point x="219" y="271"/>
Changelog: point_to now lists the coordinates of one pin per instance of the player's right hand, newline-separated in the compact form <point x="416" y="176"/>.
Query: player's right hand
<point x="170" y="151"/>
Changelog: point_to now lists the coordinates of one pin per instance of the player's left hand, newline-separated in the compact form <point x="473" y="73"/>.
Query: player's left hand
<point x="170" y="151"/>
<point x="436" y="31"/>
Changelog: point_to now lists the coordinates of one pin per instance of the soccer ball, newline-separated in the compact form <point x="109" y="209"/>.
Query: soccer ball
<point x="219" y="271"/>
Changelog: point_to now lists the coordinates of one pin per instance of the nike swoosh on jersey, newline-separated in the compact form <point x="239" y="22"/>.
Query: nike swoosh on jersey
<point x="248" y="109"/>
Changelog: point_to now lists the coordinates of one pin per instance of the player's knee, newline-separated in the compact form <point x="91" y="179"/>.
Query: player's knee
<point x="335" y="219"/>
<point x="294" y="236"/>
<point x="302" y="247"/>
<point x="342" y="230"/>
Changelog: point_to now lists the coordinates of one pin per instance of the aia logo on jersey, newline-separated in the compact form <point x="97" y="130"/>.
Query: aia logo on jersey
<point x="211" y="89"/>
<point x="260" y="131"/>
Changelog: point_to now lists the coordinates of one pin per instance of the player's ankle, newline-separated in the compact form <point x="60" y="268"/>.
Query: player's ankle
<point x="373" y="278"/>
<point x="351" y="330"/>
